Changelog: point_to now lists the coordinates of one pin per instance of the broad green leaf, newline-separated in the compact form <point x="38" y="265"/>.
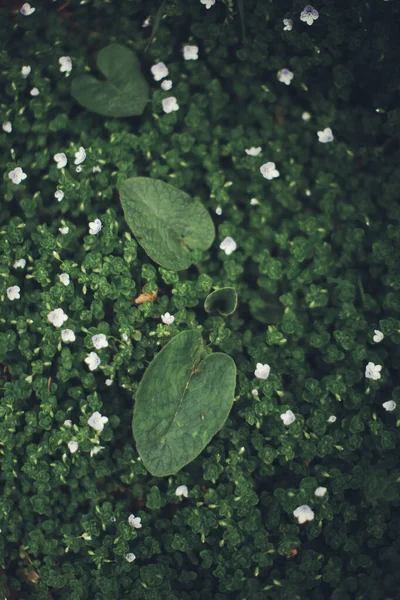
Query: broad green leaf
<point x="123" y="93"/>
<point x="166" y="222"/>
<point x="182" y="402"/>
<point x="223" y="301"/>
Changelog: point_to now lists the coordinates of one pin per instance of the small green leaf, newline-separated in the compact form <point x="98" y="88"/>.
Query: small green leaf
<point x="166" y="222"/>
<point x="124" y="93"/>
<point x="223" y="301"/>
<point x="156" y="24"/>
<point x="181" y="403"/>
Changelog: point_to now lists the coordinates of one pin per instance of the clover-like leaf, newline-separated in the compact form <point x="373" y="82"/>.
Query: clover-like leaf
<point x="223" y="301"/>
<point x="124" y="92"/>
<point x="182" y="401"/>
<point x="166" y="222"/>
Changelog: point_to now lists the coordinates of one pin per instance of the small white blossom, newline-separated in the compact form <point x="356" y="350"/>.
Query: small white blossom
<point x="19" y="264"/>
<point x="372" y="371"/>
<point x="85" y="536"/>
<point x="17" y="175"/>
<point x="67" y="423"/>
<point x="228" y="245"/>
<point x="166" y="84"/>
<point x="181" y="490"/>
<point x="303" y="513"/>
<point x="306" y="116"/>
<point x="27" y="10"/>
<point x="332" y="419"/>
<point x="325" y="136"/>
<point x="288" y="417"/>
<point x="96" y="449"/>
<point x="80" y="156"/>
<point x="92" y="360"/>
<point x="309" y="14"/>
<point x="96" y="420"/>
<point x="159" y="71"/>
<point x="167" y="319"/>
<point x="130" y="557"/>
<point x="25" y="71"/>
<point x="7" y="126"/>
<point x="13" y="292"/>
<point x="34" y="92"/>
<point x="60" y="159"/>
<point x="64" y="278"/>
<point x="190" y="52"/>
<point x="95" y="226"/>
<point x="134" y="521"/>
<point x="73" y="447"/>
<point x="146" y="23"/>
<point x="96" y="169"/>
<point x="109" y="382"/>
<point x="320" y="492"/>
<point x="254" y="393"/>
<point x="254" y="202"/>
<point x="262" y="371"/>
<point x="57" y="317"/>
<point x="208" y="3"/>
<point x="285" y="76"/>
<point x="99" y="341"/>
<point x="253" y="151"/>
<point x="67" y="335"/>
<point x="389" y="405"/>
<point x="288" y="24"/>
<point x="170" y="104"/>
<point x="59" y="195"/>
<point x="268" y="171"/>
<point x="63" y="230"/>
<point x="378" y="337"/>
<point x="65" y="64"/>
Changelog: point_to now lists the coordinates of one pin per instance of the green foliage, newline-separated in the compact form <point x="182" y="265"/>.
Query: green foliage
<point x="224" y="301"/>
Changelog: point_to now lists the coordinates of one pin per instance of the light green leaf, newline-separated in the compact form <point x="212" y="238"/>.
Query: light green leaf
<point x="181" y="403"/>
<point x="223" y="301"/>
<point x="124" y="92"/>
<point x="166" y="222"/>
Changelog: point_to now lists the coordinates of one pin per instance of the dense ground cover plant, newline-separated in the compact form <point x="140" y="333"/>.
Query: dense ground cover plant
<point x="297" y="497"/>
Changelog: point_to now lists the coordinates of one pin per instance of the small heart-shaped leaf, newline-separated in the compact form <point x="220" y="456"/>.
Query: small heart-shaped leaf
<point x="181" y="403"/>
<point x="124" y="92"/>
<point x="223" y="301"/>
<point x="166" y="222"/>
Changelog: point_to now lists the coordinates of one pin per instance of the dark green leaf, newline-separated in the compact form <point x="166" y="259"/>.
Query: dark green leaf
<point x="223" y="301"/>
<point x="157" y="21"/>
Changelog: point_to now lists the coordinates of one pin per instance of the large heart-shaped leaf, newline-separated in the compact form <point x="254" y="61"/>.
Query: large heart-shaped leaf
<point x="222" y="301"/>
<point x="166" y="222"/>
<point x="181" y="403"/>
<point x="123" y="93"/>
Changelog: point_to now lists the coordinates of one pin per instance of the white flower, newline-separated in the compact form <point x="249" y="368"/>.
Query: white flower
<point x="378" y="337"/>
<point x="159" y="71"/>
<point x="170" y="104"/>
<point x="332" y="419"/>
<point x="67" y="335"/>
<point x="218" y="211"/>
<point x="67" y="423"/>
<point x="109" y="382"/>
<point x="253" y="151"/>
<point x="190" y="52"/>
<point x="19" y="264"/>
<point x="73" y="447"/>
<point x="80" y="156"/>
<point x="134" y="521"/>
<point x="64" y="278"/>
<point x="320" y="492"/>
<point x="59" y="195"/>
<point x="61" y="160"/>
<point x="372" y="371"/>
<point x="96" y="420"/>
<point x="13" y="292"/>
<point x="303" y="513"/>
<point x="228" y="245"/>
<point x="268" y="171"/>
<point x="309" y="14"/>
<point x="96" y="450"/>
<point x="166" y="84"/>
<point x="92" y="360"/>
<point x="17" y="175"/>
<point x="288" y="417"/>
<point x="130" y="557"/>
<point x="146" y="23"/>
<point x="285" y="76"/>
<point x="86" y="536"/>
<point x="94" y="227"/>
<point x="167" y="319"/>
<point x="389" y="405"/>
<point x="96" y="169"/>
<point x="255" y="393"/>
<point x="99" y="341"/>
<point x="65" y="64"/>
<point x="288" y="23"/>
<point x="7" y="126"/>
<point x="63" y="230"/>
<point x="181" y="490"/>
<point x="325" y="136"/>
<point x="25" y="71"/>
<point x="306" y="116"/>
<point x="57" y="317"/>
<point x="262" y="371"/>
<point x="208" y="3"/>
<point x="27" y="10"/>
<point x="34" y="92"/>
<point x="254" y="202"/>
